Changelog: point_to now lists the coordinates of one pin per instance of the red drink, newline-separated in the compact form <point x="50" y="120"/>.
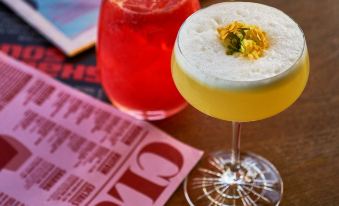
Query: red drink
<point x="135" y="44"/>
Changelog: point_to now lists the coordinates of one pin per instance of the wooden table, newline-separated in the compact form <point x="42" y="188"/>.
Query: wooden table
<point x="303" y="141"/>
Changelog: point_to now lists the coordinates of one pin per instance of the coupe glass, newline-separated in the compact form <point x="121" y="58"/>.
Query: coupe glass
<point x="227" y="178"/>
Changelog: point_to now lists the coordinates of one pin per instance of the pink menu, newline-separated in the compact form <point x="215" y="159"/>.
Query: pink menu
<point x="61" y="147"/>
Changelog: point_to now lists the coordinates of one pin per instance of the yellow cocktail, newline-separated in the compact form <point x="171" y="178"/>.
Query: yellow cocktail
<point x="240" y="62"/>
<point x="242" y="101"/>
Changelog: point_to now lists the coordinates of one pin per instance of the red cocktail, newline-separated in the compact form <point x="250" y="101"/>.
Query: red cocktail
<point x="135" y="43"/>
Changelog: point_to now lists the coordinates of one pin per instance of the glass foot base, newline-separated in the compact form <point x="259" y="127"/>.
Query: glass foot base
<point x="255" y="182"/>
<point x="150" y="115"/>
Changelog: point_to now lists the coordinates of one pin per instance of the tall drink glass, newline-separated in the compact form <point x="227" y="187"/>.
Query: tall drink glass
<point x="135" y="43"/>
<point x="239" y="89"/>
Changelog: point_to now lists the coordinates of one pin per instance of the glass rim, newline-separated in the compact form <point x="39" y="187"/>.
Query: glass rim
<point x="240" y="82"/>
<point x="163" y="10"/>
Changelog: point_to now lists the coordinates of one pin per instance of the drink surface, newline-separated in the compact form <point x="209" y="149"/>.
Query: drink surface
<point x="201" y="47"/>
<point x="148" y="6"/>
<point x="232" y="87"/>
<point x="134" y="52"/>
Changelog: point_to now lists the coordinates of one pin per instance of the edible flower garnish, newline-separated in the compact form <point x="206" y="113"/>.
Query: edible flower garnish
<point x="240" y="38"/>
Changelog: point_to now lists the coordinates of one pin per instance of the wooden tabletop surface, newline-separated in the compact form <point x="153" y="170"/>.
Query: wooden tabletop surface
<point x="303" y="141"/>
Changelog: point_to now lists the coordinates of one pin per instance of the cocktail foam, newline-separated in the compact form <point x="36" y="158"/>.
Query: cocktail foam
<point x="202" y="55"/>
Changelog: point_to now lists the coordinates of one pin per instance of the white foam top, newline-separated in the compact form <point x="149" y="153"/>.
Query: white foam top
<point x="203" y="56"/>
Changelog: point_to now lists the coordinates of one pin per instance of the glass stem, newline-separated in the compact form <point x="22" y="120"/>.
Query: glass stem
<point x="236" y="129"/>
